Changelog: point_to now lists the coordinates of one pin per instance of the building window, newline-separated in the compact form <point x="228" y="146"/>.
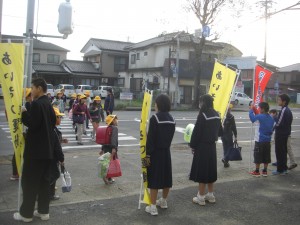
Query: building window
<point x="36" y="57"/>
<point x="121" y="82"/>
<point x="120" y="64"/>
<point x="145" y="53"/>
<point x="51" y="58"/>
<point x="133" y="58"/>
<point x="137" y="56"/>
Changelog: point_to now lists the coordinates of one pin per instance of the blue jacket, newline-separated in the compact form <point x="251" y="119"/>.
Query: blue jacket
<point x="284" y="122"/>
<point x="264" y="126"/>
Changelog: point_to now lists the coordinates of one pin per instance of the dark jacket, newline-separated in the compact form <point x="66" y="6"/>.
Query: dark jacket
<point x="79" y="108"/>
<point x="40" y="122"/>
<point x="229" y="126"/>
<point x="109" y="103"/>
<point x="207" y="129"/>
<point x="284" y="122"/>
<point x="58" y="155"/>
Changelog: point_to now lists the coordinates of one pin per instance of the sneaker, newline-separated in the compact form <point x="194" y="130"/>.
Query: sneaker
<point x="199" y="200"/>
<point x="264" y="173"/>
<point x="152" y="210"/>
<point x="111" y="180"/>
<point x="14" y="177"/>
<point x="54" y="197"/>
<point x="254" y="173"/>
<point x="274" y="164"/>
<point x="293" y="166"/>
<point x="17" y="216"/>
<point x="275" y="172"/>
<point x="162" y="203"/>
<point x="41" y="216"/>
<point x="210" y="198"/>
<point x="226" y="163"/>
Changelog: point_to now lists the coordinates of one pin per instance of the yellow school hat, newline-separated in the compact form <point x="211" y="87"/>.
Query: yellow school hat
<point x="110" y="118"/>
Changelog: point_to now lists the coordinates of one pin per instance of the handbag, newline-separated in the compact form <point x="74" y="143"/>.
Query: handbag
<point x="234" y="153"/>
<point x="114" y="169"/>
<point x="66" y="183"/>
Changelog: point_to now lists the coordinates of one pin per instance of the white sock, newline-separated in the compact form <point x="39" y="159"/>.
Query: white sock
<point x="210" y="193"/>
<point x="153" y="206"/>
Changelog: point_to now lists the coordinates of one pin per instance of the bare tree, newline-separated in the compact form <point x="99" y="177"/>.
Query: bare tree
<point x="206" y="12"/>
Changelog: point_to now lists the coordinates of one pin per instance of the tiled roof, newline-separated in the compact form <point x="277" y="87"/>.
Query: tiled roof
<point x="37" y="44"/>
<point x="43" y="67"/>
<point x="75" y="66"/>
<point x="167" y="38"/>
<point x="290" y="68"/>
<point x="103" y="44"/>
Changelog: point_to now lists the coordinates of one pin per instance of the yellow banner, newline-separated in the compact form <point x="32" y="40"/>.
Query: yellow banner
<point x="221" y="86"/>
<point x="143" y="138"/>
<point x="11" y="78"/>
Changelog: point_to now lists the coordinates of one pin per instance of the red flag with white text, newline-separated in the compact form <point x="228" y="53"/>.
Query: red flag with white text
<point x="262" y="77"/>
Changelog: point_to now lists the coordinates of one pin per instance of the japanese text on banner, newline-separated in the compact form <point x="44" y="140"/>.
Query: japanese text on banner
<point x="11" y="78"/>
<point x="221" y="86"/>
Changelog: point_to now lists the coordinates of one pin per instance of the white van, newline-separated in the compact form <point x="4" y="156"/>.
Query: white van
<point x="83" y="88"/>
<point x="69" y="89"/>
<point x="50" y="89"/>
<point x="102" y="91"/>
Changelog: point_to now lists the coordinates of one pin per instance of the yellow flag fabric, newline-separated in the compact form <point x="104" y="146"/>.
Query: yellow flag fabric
<point x="143" y="138"/>
<point x="11" y="78"/>
<point x="221" y="86"/>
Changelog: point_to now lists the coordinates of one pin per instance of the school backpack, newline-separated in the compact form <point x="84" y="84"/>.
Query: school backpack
<point x="103" y="135"/>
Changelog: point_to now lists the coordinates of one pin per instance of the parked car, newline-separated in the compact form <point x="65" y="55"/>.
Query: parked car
<point x="50" y="89"/>
<point x="241" y="99"/>
<point x="83" y="88"/>
<point x="69" y="89"/>
<point x="101" y="91"/>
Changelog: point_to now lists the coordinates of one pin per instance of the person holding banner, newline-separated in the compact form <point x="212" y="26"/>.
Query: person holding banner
<point x="159" y="138"/>
<point x="228" y="130"/>
<point x="282" y="132"/>
<point x="203" y="143"/>
<point x="38" y="154"/>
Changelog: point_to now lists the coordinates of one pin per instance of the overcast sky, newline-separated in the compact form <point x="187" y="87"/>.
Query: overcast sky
<point x="138" y="20"/>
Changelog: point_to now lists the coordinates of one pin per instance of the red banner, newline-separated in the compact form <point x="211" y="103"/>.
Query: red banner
<point x="262" y="77"/>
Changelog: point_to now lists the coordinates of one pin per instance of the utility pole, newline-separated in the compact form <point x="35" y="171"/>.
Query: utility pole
<point x="169" y="71"/>
<point x="1" y="6"/>
<point x="266" y="27"/>
<point x="29" y="35"/>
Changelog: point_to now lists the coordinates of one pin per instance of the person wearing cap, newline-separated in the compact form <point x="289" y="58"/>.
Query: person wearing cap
<point x="80" y="111"/>
<point x="63" y="97"/>
<point x="38" y="154"/>
<point x="111" y="120"/>
<point x="58" y="156"/>
<point x="109" y="103"/>
<point x="88" y="103"/>
<point x="95" y="115"/>
<point x="229" y="130"/>
<point x="72" y="101"/>
<point x="58" y="101"/>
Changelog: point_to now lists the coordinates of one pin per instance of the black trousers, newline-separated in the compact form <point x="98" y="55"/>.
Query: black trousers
<point x="281" y="152"/>
<point x="35" y="185"/>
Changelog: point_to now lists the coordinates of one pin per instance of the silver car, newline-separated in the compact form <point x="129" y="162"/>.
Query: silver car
<point x="241" y="99"/>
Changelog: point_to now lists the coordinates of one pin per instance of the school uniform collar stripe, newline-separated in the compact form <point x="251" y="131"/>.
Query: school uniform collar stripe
<point x="210" y="118"/>
<point x="166" y="121"/>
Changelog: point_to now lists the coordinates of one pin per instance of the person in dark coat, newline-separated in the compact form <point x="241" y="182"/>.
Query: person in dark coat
<point x="38" y="154"/>
<point x="228" y="130"/>
<point x="109" y="103"/>
<point x="203" y="144"/>
<point x="159" y="138"/>
<point x="58" y="157"/>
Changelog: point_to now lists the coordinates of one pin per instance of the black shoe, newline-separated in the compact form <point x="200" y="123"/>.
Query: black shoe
<point x="274" y="164"/>
<point x="226" y="163"/>
<point x="84" y="132"/>
<point x="54" y="197"/>
<point x="76" y="138"/>
<point x="79" y="143"/>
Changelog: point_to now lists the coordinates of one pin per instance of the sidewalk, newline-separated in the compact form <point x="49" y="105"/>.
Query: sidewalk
<point x="241" y="199"/>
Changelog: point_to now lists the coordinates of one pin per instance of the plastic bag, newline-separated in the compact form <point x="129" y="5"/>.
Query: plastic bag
<point x="103" y="163"/>
<point x="114" y="169"/>
<point x="66" y="181"/>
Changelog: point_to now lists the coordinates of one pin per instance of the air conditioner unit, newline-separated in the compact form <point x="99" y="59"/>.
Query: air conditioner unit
<point x="105" y="80"/>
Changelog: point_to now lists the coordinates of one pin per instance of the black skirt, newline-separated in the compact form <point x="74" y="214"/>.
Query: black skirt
<point x="159" y="173"/>
<point x="204" y="165"/>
